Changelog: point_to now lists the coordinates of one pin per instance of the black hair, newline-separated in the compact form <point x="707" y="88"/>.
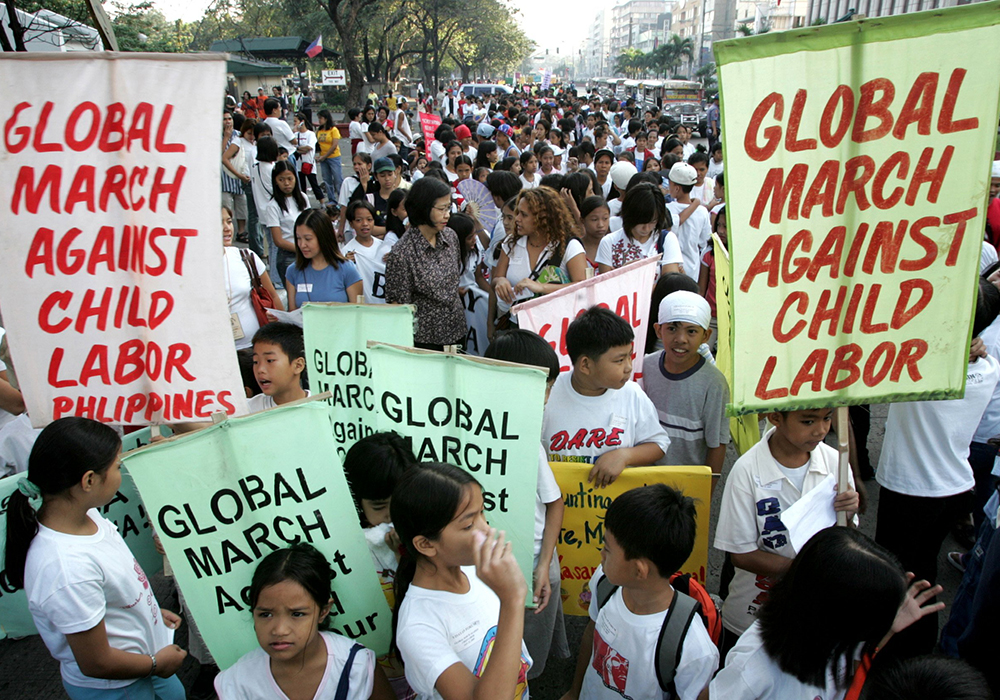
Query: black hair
<point x="463" y="225"/>
<point x="720" y="180"/>
<point x="421" y="198"/>
<point x="525" y="348"/>
<point x="654" y="522"/>
<point x="238" y="120"/>
<point x="987" y="306"/>
<point x="668" y="283"/>
<point x="925" y="678"/>
<point x="353" y="207"/>
<point x="669" y="145"/>
<point x="642" y="204"/>
<point x="374" y="464"/>
<point x="424" y="501"/>
<point x="244" y="357"/>
<point x="301" y="563"/>
<point x="482" y="154"/>
<point x="596" y="331"/>
<point x="526" y="156"/>
<point x="319" y="222"/>
<point x="590" y="204"/>
<point x="282" y="151"/>
<point x="435" y="171"/>
<point x="634" y="126"/>
<point x="267" y="148"/>
<point x="698" y="157"/>
<point x="506" y="164"/>
<point x="541" y="148"/>
<point x="577" y="184"/>
<point x="286" y="336"/>
<point x="392" y="222"/>
<point x="283" y="166"/>
<point x="463" y="160"/>
<point x="271" y="104"/>
<point x="444" y="134"/>
<point x="553" y="180"/>
<point x="353" y="112"/>
<point x="719" y="216"/>
<point x="63" y="453"/>
<point x="651" y="178"/>
<point x="717" y="147"/>
<point x="841" y="564"/>
<point x="503" y="184"/>
<point x="376" y="128"/>
<point x="301" y="116"/>
<point x="588" y="147"/>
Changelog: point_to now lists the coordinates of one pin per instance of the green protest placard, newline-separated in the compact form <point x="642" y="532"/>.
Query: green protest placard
<point x="126" y="511"/>
<point x="481" y="415"/>
<point x="336" y="337"/>
<point x="857" y="167"/>
<point x="224" y="497"/>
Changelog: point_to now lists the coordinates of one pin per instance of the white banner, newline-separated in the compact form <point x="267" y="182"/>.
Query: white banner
<point x="372" y="276"/>
<point x="476" y="302"/>
<point x="626" y="291"/>
<point x="112" y="286"/>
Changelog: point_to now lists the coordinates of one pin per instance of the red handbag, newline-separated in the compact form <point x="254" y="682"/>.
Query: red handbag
<point x="259" y="298"/>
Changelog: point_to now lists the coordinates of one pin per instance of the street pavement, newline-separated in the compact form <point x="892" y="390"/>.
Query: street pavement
<point x="28" y="672"/>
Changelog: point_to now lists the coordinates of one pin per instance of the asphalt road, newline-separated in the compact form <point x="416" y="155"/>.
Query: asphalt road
<point x="27" y="671"/>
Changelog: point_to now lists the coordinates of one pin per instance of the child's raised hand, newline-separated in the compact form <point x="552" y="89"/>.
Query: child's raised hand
<point x="497" y="568"/>
<point x="914" y="605"/>
<point x="849" y="501"/>
<point x="607" y="468"/>
<point x="169" y="660"/>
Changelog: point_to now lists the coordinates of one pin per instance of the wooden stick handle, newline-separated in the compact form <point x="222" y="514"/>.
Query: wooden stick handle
<point x="844" y="467"/>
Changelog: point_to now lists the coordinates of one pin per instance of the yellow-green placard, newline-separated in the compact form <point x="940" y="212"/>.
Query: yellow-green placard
<point x="223" y="498"/>
<point x="744" y="429"/>
<point x="336" y="337"/>
<point x="857" y="168"/>
<point x="582" y="535"/>
<point x="481" y="415"/>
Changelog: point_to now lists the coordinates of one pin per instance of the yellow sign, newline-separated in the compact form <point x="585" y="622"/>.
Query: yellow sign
<point x="744" y="430"/>
<point x="582" y="536"/>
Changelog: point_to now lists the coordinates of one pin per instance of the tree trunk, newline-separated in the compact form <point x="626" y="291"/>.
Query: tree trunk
<point x="16" y="30"/>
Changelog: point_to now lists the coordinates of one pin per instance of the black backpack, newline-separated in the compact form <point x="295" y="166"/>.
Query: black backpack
<point x="671" y="640"/>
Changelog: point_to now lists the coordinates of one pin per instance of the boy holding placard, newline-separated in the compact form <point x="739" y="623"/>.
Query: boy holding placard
<point x="690" y="393"/>
<point x="789" y="462"/>
<point x="595" y="414"/>
<point x="279" y="361"/>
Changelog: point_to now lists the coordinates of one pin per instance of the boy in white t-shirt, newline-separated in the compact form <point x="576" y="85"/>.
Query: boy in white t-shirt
<point x="790" y="461"/>
<point x="925" y="474"/>
<point x="595" y="414"/>
<point x="648" y="534"/>
<point x="692" y="227"/>
<point x="279" y="359"/>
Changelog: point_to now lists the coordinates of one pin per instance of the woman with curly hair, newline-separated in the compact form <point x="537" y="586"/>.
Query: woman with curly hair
<point x="539" y="257"/>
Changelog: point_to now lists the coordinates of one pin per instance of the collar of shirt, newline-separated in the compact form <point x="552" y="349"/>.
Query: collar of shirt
<point x="768" y="465"/>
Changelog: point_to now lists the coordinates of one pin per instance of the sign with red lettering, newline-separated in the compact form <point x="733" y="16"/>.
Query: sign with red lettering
<point x="428" y="125"/>
<point x="626" y="291"/>
<point x="857" y="171"/>
<point x="112" y="288"/>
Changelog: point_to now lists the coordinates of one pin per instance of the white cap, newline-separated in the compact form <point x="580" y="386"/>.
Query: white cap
<point x="685" y="306"/>
<point x="683" y="174"/>
<point x="621" y="172"/>
<point x="996" y="169"/>
<point x="557" y="151"/>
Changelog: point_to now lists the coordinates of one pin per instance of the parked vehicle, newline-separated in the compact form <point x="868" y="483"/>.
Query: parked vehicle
<point x="483" y="89"/>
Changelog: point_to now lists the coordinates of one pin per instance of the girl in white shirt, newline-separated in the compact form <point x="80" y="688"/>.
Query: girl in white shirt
<point x="644" y="217"/>
<point x="239" y="284"/>
<point x="305" y="142"/>
<point x="280" y="213"/>
<point x="460" y="595"/>
<point x="88" y="597"/>
<point x="297" y="657"/>
<point x="842" y="597"/>
<point x="529" y="167"/>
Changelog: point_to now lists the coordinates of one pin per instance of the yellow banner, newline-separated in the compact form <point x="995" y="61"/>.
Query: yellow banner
<point x="857" y="170"/>
<point x="582" y="536"/>
<point x="743" y="430"/>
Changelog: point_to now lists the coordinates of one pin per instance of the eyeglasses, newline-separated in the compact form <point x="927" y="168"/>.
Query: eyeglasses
<point x="444" y="208"/>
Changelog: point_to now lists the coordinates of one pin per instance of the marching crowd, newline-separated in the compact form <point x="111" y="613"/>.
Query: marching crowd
<point x="579" y="185"/>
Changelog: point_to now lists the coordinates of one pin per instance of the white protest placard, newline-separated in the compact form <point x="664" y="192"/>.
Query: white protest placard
<point x="112" y="288"/>
<point x="627" y="291"/>
<point x="476" y="302"/>
<point x="372" y="271"/>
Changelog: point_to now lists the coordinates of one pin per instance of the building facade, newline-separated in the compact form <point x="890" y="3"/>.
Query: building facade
<point x="631" y="18"/>
<point x="826" y="11"/>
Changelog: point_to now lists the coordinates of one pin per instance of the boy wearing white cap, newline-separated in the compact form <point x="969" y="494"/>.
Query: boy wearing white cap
<point x="690" y="394"/>
<point x="692" y="227"/>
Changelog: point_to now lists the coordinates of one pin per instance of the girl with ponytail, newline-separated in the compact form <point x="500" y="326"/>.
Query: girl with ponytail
<point x="459" y="614"/>
<point x="89" y="598"/>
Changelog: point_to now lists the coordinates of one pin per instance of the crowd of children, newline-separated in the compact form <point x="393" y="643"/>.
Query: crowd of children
<point x="583" y="185"/>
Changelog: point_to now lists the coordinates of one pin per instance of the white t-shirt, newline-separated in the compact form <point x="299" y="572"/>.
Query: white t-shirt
<point x="238" y="286"/>
<point x="617" y="250"/>
<point x="520" y="266"/>
<point x="714" y="169"/>
<point x="689" y="149"/>
<point x="372" y="252"/>
<point x="306" y="138"/>
<point x="694" y="236"/>
<point x="751" y="674"/>
<point x="260" y="183"/>
<point x="990" y="423"/>
<point x="401" y="127"/>
<point x="623" y="662"/>
<point x="355" y="132"/>
<point x="526" y="185"/>
<point x="706" y="192"/>
<point x="75" y="581"/>
<point x="365" y="146"/>
<point x="17" y="438"/>
<point x="250" y="678"/>
<point x="249" y="153"/>
<point x="546" y="491"/>
<point x="282" y="133"/>
<point x="262" y="402"/>
<point x="437" y="629"/>
<point x="755" y="495"/>
<point x="926" y="447"/>
<point x="579" y="428"/>
<point x="272" y="215"/>
<point x="438" y="152"/>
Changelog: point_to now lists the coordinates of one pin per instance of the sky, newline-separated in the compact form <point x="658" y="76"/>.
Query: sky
<point x="550" y="23"/>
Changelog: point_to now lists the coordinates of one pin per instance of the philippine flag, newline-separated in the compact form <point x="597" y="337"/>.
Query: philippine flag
<point x="315" y="48"/>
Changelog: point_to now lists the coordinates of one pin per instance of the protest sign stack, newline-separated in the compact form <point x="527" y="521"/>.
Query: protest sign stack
<point x="113" y="295"/>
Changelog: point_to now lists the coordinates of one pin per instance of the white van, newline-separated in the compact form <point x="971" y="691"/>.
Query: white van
<point x="483" y="89"/>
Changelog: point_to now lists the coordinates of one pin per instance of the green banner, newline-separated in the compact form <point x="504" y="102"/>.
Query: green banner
<point x="481" y="415"/>
<point x="857" y="170"/>
<point x="336" y="337"/>
<point x="227" y="496"/>
<point x="126" y="511"/>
